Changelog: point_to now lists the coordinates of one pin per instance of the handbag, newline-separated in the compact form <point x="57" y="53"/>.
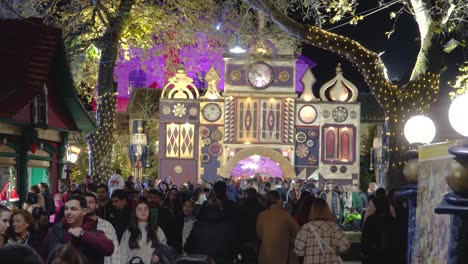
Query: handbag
<point x="320" y="242"/>
<point x="136" y="260"/>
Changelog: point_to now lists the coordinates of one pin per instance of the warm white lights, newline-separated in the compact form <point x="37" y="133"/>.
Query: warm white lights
<point x="237" y="47"/>
<point x="457" y="114"/>
<point x="419" y="129"/>
<point x="72" y="153"/>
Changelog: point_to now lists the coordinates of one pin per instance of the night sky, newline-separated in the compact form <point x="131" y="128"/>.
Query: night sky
<point x="400" y="55"/>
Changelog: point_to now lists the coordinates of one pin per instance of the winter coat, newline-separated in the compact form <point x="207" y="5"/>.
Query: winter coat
<point x="92" y="246"/>
<point x="214" y="235"/>
<point x="145" y="250"/>
<point x="277" y="230"/>
<point x="380" y="240"/>
<point x="359" y="201"/>
<point x="119" y="219"/>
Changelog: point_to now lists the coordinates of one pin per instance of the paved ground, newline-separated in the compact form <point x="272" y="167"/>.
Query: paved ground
<point x="351" y="262"/>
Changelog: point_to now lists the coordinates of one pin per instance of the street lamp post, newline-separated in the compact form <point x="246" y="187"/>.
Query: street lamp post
<point x="418" y="130"/>
<point x="72" y="157"/>
<point x="456" y="203"/>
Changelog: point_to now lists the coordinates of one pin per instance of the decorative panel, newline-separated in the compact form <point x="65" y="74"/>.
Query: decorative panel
<point x="270" y="126"/>
<point x="172" y="140"/>
<point x="229" y="120"/>
<point x="247" y="120"/>
<point x="288" y="122"/>
<point x="187" y="132"/>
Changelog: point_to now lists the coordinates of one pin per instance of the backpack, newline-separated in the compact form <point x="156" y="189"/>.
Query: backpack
<point x="48" y="204"/>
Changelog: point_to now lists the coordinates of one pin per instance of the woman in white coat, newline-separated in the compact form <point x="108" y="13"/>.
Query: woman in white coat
<point x="141" y="238"/>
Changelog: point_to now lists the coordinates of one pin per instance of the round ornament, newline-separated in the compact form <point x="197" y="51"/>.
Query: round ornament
<point x="211" y="112"/>
<point x="216" y="135"/>
<point x="353" y="114"/>
<point x="204" y="131"/>
<point x="283" y="76"/>
<point x="333" y="169"/>
<point x="343" y="169"/>
<point x="166" y="110"/>
<point x="310" y="143"/>
<point x="215" y="149"/>
<point x="302" y="151"/>
<point x="301" y="137"/>
<point x="207" y="141"/>
<point x="205" y="158"/>
<point x="179" y="110"/>
<point x="178" y="169"/>
<point x="235" y="75"/>
<point x="193" y="111"/>
<point x="312" y="159"/>
<point x="313" y="133"/>
<point x="340" y="114"/>
<point x="307" y="114"/>
<point x="326" y="114"/>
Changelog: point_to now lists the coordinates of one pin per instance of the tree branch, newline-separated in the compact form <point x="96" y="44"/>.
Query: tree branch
<point x="369" y="63"/>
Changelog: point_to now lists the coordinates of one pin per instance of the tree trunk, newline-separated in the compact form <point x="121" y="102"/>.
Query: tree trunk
<point x="100" y="142"/>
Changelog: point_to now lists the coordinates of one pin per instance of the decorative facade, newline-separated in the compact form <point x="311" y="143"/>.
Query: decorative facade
<point x="259" y="123"/>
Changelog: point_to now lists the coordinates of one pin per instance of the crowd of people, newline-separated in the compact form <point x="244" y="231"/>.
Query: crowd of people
<point x="236" y="220"/>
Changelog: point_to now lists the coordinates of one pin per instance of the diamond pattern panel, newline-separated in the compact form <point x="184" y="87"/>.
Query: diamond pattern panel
<point x="172" y="140"/>
<point x="186" y="141"/>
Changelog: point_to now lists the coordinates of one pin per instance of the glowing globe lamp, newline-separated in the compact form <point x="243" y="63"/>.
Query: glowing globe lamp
<point x="419" y="129"/>
<point x="457" y="114"/>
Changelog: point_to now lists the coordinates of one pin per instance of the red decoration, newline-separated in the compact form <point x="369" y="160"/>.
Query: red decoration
<point x="33" y="147"/>
<point x="13" y="196"/>
<point x="4" y="192"/>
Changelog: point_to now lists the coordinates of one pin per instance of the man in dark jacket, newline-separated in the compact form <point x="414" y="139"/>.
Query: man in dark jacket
<point x="81" y="232"/>
<point x="120" y="214"/>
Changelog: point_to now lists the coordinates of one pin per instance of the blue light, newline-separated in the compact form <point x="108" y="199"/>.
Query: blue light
<point x="218" y="26"/>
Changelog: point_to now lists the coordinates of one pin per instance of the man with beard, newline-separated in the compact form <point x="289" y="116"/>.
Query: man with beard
<point x="105" y="206"/>
<point x="160" y="215"/>
<point x="103" y="226"/>
<point x="81" y="232"/>
<point x="120" y="214"/>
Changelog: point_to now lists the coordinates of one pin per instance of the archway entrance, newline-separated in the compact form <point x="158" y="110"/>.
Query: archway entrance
<point x="252" y="157"/>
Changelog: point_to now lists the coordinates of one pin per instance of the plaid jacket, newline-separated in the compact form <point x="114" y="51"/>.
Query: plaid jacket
<point x="109" y="232"/>
<point x="329" y="232"/>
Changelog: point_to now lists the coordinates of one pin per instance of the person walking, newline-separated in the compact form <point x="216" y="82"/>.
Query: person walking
<point x="319" y="241"/>
<point x="276" y="230"/>
<point x="4" y="224"/>
<point x="141" y="238"/>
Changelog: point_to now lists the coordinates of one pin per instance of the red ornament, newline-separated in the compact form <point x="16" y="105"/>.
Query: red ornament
<point x="33" y="147"/>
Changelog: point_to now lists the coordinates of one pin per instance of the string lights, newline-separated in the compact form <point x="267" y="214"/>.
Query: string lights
<point x="101" y="141"/>
<point x="399" y="102"/>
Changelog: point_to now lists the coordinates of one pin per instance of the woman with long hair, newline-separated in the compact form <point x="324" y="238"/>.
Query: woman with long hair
<point x="65" y="254"/>
<point x="380" y="233"/>
<point x="4" y="224"/>
<point x="23" y="229"/>
<point x="142" y="236"/>
<point x="173" y="202"/>
<point x="320" y="240"/>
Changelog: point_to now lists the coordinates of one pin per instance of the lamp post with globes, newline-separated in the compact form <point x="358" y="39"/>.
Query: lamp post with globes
<point x="456" y="203"/>
<point x="418" y="130"/>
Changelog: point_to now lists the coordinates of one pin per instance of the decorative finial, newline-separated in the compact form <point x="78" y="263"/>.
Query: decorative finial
<point x="338" y="68"/>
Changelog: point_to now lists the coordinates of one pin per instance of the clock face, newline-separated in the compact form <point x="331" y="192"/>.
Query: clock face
<point x="307" y="114"/>
<point x="211" y="112"/>
<point x="260" y="75"/>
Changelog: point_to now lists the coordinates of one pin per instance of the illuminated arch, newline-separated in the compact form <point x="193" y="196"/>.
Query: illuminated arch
<point x="283" y="163"/>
